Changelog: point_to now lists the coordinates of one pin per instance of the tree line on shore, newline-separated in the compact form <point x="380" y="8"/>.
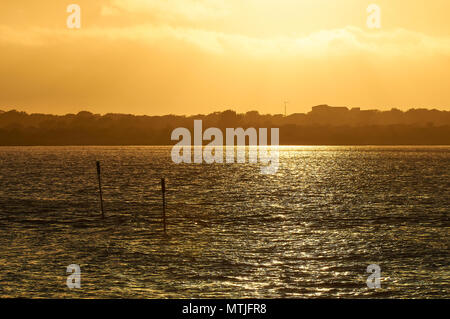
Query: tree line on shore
<point x="323" y="125"/>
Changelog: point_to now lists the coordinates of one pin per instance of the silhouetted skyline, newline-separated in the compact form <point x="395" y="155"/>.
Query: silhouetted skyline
<point x="323" y="125"/>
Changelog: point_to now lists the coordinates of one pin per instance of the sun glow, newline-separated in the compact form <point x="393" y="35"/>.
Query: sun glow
<point x="199" y="56"/>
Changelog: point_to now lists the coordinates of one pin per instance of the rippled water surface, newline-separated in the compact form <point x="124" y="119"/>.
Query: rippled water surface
<point x="310" y="230"/>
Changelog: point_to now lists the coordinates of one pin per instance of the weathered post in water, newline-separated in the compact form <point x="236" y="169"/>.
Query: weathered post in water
<point x="100" y="188"/>
<point x="163" y="189"/>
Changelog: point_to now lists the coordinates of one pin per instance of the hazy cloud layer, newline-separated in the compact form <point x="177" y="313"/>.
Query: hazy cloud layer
<point x="348" y="40"/>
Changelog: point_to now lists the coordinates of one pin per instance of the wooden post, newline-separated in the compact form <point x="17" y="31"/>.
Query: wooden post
<point x="100" y="188"/>
<point x="163" y="189"/>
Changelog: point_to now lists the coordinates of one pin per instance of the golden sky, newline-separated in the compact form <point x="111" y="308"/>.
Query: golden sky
<point x="199" y="56"/>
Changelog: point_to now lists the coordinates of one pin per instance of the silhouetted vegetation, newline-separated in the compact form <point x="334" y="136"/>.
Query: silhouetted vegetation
<point x="324" y="125"/>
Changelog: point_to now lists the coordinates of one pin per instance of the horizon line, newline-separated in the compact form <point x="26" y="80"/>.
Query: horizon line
<point x="225" y="110"/>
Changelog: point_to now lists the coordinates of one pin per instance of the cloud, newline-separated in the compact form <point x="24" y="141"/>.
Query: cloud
<point x="173" y="10"/>
<point x="338" y="42"/>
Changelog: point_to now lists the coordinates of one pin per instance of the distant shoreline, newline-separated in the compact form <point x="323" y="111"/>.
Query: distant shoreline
<point x="324" y="125"/>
